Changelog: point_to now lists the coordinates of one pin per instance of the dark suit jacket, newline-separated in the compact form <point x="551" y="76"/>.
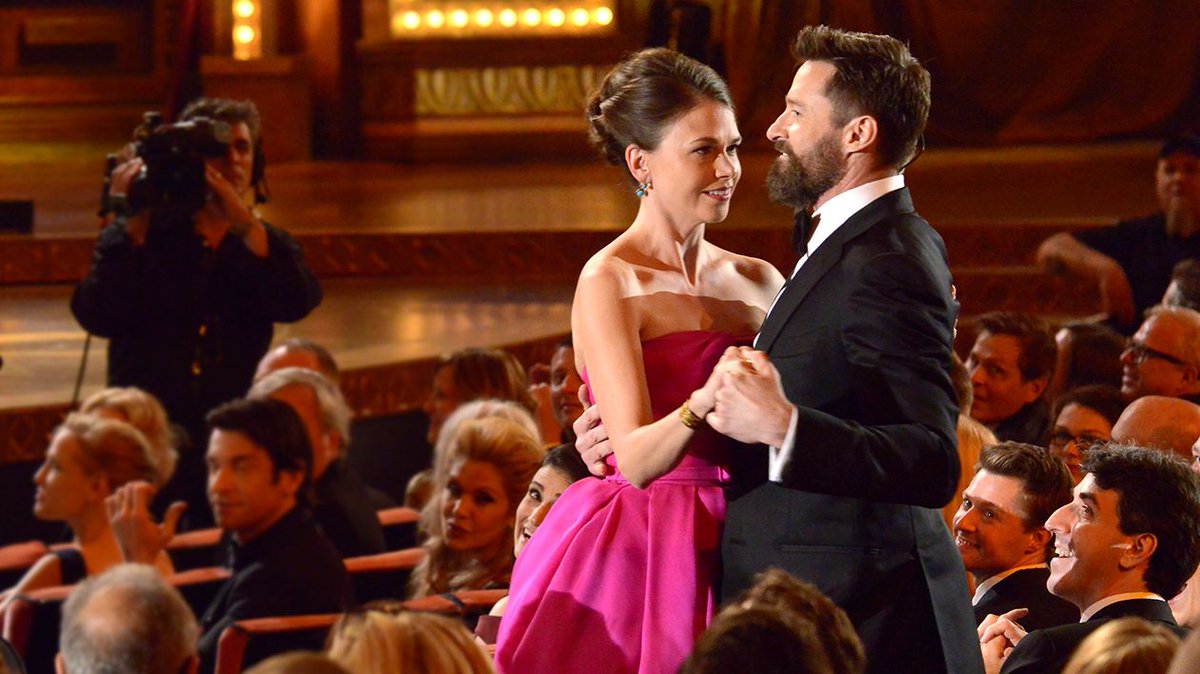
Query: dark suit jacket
<point x="344" y="511"/>
<point x="861" y="337"/>
<point x="1027" y="589"/>
<point x="1047" y="651"/>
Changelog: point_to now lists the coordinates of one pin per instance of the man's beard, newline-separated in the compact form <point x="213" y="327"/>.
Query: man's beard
<point x="800" y="182"/>
<point x="1181" y="219"/>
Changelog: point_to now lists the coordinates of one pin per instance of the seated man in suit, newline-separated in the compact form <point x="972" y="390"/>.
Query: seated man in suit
<point x="1128" y="540"/>
<point x="258" y="477"/>
<point x="341" y="504"/>
<point x="1011" y="364"/>
<point x="998" y="531"/>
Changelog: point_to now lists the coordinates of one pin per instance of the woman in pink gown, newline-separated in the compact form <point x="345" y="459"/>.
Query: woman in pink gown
<point x="619" y="577"/>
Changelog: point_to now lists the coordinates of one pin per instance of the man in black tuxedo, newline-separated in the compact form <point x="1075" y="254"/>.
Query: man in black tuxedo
<point x="1128" y="540"/>
<point x="1000" y="534"/>
<point x="850" y="383"/>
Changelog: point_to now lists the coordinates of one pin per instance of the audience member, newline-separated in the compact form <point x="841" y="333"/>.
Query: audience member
<point x="1184" y="288"/>
<point x="1088" y="353"/>
<point x="1185" y="606"/>
<point x="1159" y="422"/>
<point x="420" y="489"/>
<point x="561" y="467"/>
<point x="127" y="620"/>
<point x="1130" y="645"/>
<point x="298" y="662"/>
<point x="778" y="589"/>
<point x="1163" y="356"/>
<point x="1010" y="364"/>
<point x="555" y="387"/>
<point x="373" y="642"/>
<point x="471" y="374"/>
<point x="142" y="411"/>
<point x="88" y="458"/>
<point x="299" y="352"/>
<point x="1083" y="417"/>
<point x="1000" y="534"/>
<point x="340" y="501"/>
<point x="1129" y="538"/>
<point x="188" y="293"/>
<point x="764" y="640"/>
<point x="490" y="463"/>
<point x="1131" y="262"/>
<point x="259" y="472"/>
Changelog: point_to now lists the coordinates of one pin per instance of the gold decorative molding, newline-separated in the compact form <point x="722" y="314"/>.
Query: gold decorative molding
<point x="516" y="90"/>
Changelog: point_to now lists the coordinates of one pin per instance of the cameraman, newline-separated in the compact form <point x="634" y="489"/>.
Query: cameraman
<point x="188" y="300"/>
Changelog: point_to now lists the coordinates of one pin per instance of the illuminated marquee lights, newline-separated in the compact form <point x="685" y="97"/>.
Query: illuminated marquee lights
<point x="428" y="18"/>
<point x="247" y="29"/>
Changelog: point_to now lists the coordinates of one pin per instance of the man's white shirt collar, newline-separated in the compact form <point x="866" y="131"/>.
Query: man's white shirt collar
<point x="988" y="584"/>
<point x="1109" y="601"/>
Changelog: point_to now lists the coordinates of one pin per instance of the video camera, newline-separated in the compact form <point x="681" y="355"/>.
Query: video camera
<point x="172" y="177"/>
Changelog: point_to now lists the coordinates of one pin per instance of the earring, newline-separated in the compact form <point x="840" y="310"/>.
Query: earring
<point x="642" y="189"/>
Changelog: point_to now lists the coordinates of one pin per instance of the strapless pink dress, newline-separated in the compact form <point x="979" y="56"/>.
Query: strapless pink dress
<point x="620" y="579"/>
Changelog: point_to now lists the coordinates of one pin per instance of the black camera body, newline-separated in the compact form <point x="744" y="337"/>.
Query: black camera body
<point x="172" y="176"/>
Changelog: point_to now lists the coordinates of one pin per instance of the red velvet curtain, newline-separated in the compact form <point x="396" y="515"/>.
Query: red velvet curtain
<point x="1003" y="72"/>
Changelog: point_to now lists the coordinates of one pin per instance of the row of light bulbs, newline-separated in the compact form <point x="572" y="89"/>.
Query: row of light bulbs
<point x="530" y="17"/>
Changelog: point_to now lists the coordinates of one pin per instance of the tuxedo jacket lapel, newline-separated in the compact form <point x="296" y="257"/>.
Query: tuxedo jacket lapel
<point x="826" y="256"/>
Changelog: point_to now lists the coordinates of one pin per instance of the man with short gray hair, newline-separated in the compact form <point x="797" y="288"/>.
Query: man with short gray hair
<point x="341" y="504"/>
<point x="127" y="621"/>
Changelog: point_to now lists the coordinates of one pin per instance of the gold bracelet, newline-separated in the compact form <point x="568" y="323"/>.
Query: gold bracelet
<point x="688" y="418"/>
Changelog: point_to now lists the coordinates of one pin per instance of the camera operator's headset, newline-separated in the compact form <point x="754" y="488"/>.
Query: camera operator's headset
<point x="262" y="194"/>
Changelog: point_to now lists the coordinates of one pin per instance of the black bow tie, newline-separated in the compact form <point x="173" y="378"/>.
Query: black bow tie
<point x="802" y="230"/>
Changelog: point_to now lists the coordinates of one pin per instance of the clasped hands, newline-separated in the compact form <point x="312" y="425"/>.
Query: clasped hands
<point x="742" y="399"/>
<point x="998" y="635"/>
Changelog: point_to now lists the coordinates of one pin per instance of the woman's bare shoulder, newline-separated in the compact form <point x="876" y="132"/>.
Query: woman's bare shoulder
<point x="753" y="269"/>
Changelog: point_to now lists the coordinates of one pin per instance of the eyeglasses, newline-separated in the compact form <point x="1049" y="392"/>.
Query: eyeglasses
<point x="1061" y="437"/>
<point x="1141" y="352"/>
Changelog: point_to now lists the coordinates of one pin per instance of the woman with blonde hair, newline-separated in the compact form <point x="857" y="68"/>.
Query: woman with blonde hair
<point x="489" y="464"/>
<point x="89" y="457"/>
<point x="145" y="413"/>
<point x="1125" y="646"/>
<point x="414" y="643"/>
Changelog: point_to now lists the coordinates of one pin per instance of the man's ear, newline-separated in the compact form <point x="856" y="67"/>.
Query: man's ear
<point x="1032" y="389"/>
<point x="291" y="480"/>
<point x="860" y="134"/>
<point x="1139" y="550"/>
<point x="60" y="665"/>
<point x="1038" y="538"/>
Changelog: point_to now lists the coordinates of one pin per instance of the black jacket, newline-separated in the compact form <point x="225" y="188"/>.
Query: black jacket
<point x="291" y="569"/>
<point x="861" y="337"/>
<point x="344" y="511"/>
<point x="1027" y="589"/>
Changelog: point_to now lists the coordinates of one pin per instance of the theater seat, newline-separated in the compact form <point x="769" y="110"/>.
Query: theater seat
<point x="195" y="549"/>
<point x="16" y="559"/>
<point x="399" y="527"/>
<point x="270" y="636"/>
<point x="383" y="575"/>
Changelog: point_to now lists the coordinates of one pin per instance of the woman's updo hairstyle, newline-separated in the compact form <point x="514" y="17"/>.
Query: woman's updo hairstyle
<point x="645" y="93"/>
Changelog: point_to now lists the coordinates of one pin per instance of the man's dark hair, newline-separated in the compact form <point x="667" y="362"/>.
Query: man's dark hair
<point x="1095" y="355"/>
<point x="1159" y="495"/>
<point x="763" y="639"/>
<point x="155" y="633"/>
<point x="1038" y="349"/>
<point x="1186" y="275"/>
<point x="273" y="426"/>
<point x="877" y="76"/>
<point x="776" y="588"/>
<point x="1104" y="400"/>
<point x="1046" y="482"/>
<point x="1188" y="143"/>
<point x="228" y="111"/>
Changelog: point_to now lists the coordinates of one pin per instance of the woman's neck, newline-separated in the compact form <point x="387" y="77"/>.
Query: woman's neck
<point x="91" y="526"/>
<point x="676" y="245"/>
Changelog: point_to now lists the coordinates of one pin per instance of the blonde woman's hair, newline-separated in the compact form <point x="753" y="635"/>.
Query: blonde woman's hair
<point x="414" y="643"/>
<point x="431" y="509"/>
<point x="972" y="438"/>
<point x="112" y="448"/>
<point x="516" y="454"/>
<point x="144" y="412"/>
<point x="1125" y="646"/>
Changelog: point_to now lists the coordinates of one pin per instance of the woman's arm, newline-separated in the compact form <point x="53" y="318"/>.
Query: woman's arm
<point x="606" y="334"/>
<point x="45" y="572"/>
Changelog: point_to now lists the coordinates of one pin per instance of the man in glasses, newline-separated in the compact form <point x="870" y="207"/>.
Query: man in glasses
<point x="1163" y="356"/>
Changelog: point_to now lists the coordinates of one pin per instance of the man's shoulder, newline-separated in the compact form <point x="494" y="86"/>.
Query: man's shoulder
<point x="1046" y="650"/>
